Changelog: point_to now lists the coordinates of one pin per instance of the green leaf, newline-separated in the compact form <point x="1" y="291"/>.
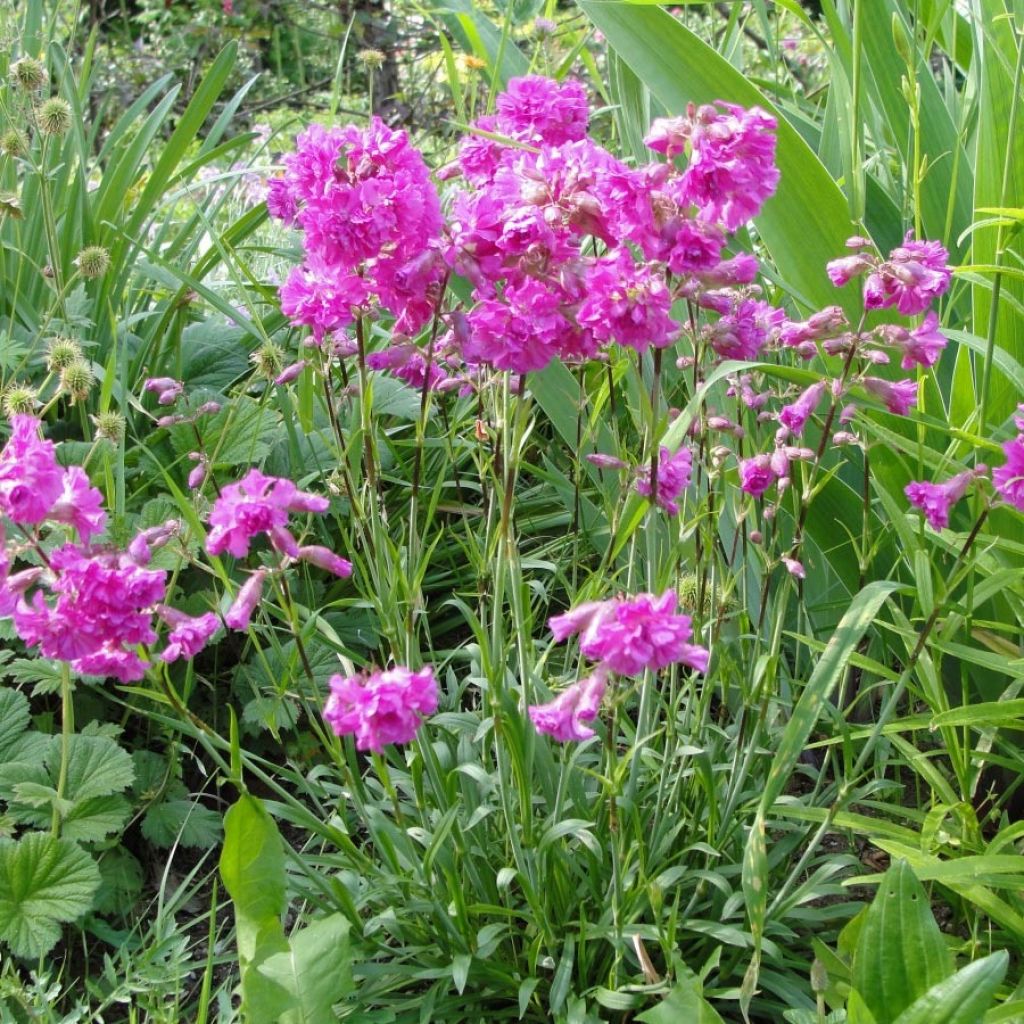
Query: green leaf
<point x="182" y="821"/>
<point x="95" y="818"/>
<point x="901" y="953"/>
<point x="96" y="766"/>
<point x="316" y="970"/>
<point x="121" y="885"/>
<point x="44" y="882"/>
<point x="13" y="719"/>
<point x="961" y="999"/>
<point x="685" y="1002"/>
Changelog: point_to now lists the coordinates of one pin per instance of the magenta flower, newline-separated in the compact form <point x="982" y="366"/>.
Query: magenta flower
<point x="673" y="478"/>
<point x="542" y="111"/>
<point x="167" y="389"/>
<point x="742" y="332"/>
<point x="915" y="274"/>
<point x="795" y="415"/>
<point x="239" y="615"/>
<point x="256" y="504"/>
<point x="563" y="718"/>
<point x="794" y="568"/>
<point x="30" y="479"/>
<point x="920" y="346"/>
<point x="899" y="396"/>
<point x="188" y="634"/>
<point x="844" y="269"/>
<point x="642" y="633"/>
<point x="80" y="504"/>
<point x="628" y="304"/>
<point x="381" y="707"/>
<point x="936" y="500"/>
<point x="757" y="475"/>
<point x="732" y="163"/>
<point x="102" y="606"/>
<point x="324" y="558"/>
<point x="1008" y="479"/>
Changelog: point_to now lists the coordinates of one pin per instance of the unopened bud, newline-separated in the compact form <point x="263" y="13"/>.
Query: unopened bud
<point x="28" y="74"/>
<point x="93" y="262"/>
<point x="54" y="117"/>
<point x="77" y="380"/>
<point x="19" y="399"/>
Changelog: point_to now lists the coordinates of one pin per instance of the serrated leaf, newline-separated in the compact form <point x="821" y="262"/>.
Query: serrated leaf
<point x="44" y="676"/>
<point x="182" y="821"/>
<point x="214" y="354"/>
<point x="121" y="884"/>
<point x="240" y="434"/>
<point x="96" y="766"/>
<point x="92" y="820"/>
<point x="13" y="719"/>
<point x="44" y="883"/>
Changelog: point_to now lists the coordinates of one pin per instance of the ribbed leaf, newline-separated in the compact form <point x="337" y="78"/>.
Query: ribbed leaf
<point x="961" y="999"/>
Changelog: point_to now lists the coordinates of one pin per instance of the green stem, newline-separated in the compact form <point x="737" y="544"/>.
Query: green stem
<point x="67" y="727"/>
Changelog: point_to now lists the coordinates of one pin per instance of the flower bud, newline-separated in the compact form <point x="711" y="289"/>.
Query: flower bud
<point x="13" y="143"/>
<point x="19" y="398"/>
<point x="62" y="353"/>
<point x="110" y="425"/>
<point x="324" y="558"/>
<point x="240" y="613"/>
<point x="93" y="262"/>
<point x="76" y="380"/>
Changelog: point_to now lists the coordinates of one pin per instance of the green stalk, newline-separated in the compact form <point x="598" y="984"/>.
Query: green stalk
<point x="67" y="727"/>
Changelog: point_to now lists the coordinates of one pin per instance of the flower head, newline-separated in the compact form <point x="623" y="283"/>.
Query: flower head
<point x="899" y="396"/>
<point x="1008" y="479"/>
<point x="540" y="110"/>
<point x="673" y="478"/>
<point x="256" y="504"/>
<point x="936" y="500"/>
<point x="30" y="479"/>
<point x="563" y="718"/>
<point x="913" y="276"/>
<point x="188" y="635"/>
<point x="381" y="707"/>
<point x="795" y="415"/>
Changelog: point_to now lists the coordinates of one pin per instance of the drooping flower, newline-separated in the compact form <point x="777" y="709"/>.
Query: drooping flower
<point x="239" y="615"/>
<point x="921" y="346"/>
<point x="325" y="558"/>
<point x="563" y="718"/>
<point x="381" y="707"/>
<point x="1008" y="478"/>
<point x="644" y="632"/>
<point x="936" y="500"/>
<point x="757" y="475"/>
<point x="188" y="634"/>
<point x="673" y="478"/>
<point x="844" y="269"/>
<point x="256" y="504"/>
<point x="899" y="396"/>
<point x="915" y="274"/>
<point x="795" y="415"/>
<point x="30" y="479"/>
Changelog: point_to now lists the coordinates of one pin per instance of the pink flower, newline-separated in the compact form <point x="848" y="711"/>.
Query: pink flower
<point x="256" y="504"/>
<point x="642" y="633"/>
<point x="794" y="416"/>
<point x="628" y="304"/>
<point x="80" y="504"/>
<point x="324" y="558"/>
<point x="239" y="614"/>
<point x="381" y="707"/>
<point x="1008" y="479"/>
<point x="542" y="111"/>
<point x="898" y="396"/>
<point x="30" y="479"/>
<point x="167" y="389"/>
<point x="563" y="717"/>
<point x="914" y="275"/>
<point x="824" y="324"/>
<point x="756" y="475"/>
<point x="102" y="605"/>
<point x="921" y="346"/>
<point x="281" y="203"/>
<point x="743" y="331"/>
<point x="794" y="568"/>
<point x="732" y="163"/>
<point x="673" y="478"/>
<point x="668" y="136"/>
<point x="841" y="271"/>
<point x="290" y="373"/>
<point x="188" y="634"/>
<point x="584" y="617"/>
<point x="936" y="500"/>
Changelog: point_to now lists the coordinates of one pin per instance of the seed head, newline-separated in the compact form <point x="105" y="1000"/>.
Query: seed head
<point x="76" y="381"/>
<point x="109" y="425"/>
<point x="62" y="353"/>
<point x="371" y="59"/>
<point x="54" y="117"/>
<point x="93" y="261"/>
<point x="28" y="74"/>
<point x="13" y="143"/>
<point x="19" y="398"/>
<point x="268" y="360"/>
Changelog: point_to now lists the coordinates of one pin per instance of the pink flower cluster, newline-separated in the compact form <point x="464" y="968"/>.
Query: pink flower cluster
<point x="1008" y="479"/>
<point x="371" y="223"/>
<point x="89" y="605"/>
<point x="522" y="231"/>
<point x="626" y="636"/>
<point x="381" y="707"/>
